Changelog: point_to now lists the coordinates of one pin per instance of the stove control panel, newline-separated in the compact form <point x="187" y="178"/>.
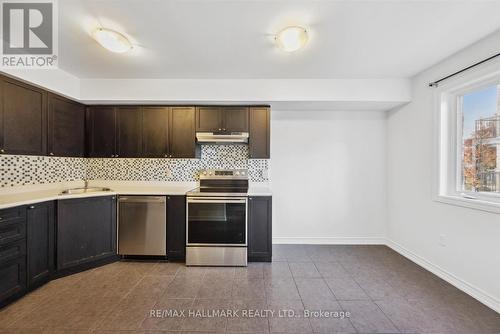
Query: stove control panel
<point x="224" y="174"/>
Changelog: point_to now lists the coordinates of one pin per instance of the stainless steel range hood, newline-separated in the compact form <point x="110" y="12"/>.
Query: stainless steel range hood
<point x="219" y="138"/>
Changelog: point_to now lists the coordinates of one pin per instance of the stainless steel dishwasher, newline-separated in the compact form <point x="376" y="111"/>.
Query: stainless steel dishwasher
<point x="142" y="225"/>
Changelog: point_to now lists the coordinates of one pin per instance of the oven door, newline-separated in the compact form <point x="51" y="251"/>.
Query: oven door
<point x="216" y="221"/>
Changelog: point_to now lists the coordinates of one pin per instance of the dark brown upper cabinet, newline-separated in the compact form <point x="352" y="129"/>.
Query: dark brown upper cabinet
<point x="101" y="129"/>
<point x="133" y="132"/>
<point x="23" y="118"/>
<point x="222" y="119"/>
<point x="128" y="132"/>
<point x="209" y="119"/>
<point x="66" y="130"/>
<point x="260" y="131"/>
<point x="182" y="132"/>
<point x="155" y="132"/>
<point x="235" y="119"/>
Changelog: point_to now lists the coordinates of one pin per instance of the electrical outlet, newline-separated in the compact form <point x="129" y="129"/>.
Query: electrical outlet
<point x="442" y="240"/>
<point x="168" y="173"/>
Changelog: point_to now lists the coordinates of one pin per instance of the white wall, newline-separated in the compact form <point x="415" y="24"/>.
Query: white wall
<point x="471" y="257"/>
<point x="328" y="176"/>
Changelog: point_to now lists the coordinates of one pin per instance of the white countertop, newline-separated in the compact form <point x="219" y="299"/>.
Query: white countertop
<point x="25" y="195"/>
<point x="259" y="189"/>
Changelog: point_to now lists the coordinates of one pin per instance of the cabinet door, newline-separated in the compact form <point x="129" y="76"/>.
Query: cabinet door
<point x="155" y="132"/>
<point x="101" y="229"/>
<point x="260" y="130"/>
<point x="23" y="129"/>
<point x="101" y="132"/>
<point x="86" y="230"/>
<point x="176" y="228"/>
<point x="129" y="132"/>
<point x="182" y="132"/>
<point x="41" y="242"/>
<point x="209" y="119"/>
<point x="12" y="278"/>
<point x="260" y="229"/>
<point x="235" y="119"/>
<point x="66" y="131"/>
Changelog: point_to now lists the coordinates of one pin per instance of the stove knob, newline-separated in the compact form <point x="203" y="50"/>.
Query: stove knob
<point x="242" y="173"/>
<point x="238" y="173"/>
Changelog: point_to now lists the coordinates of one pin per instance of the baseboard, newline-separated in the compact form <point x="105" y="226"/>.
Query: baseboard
<point x="466" y="287"/>
<point x="330" y="240"/>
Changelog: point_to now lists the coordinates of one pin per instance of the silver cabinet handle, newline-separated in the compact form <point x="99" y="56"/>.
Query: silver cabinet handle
<point x="2" y="150"/>
<point x="51" y="153"/>
<point x="31" y="207"/>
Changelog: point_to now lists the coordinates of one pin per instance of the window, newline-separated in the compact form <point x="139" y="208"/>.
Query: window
<point x="468" y="136"/>
<point x="480" y="140"/>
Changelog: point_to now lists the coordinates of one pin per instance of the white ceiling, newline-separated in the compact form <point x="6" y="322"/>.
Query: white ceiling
<point x="233" y="38"/>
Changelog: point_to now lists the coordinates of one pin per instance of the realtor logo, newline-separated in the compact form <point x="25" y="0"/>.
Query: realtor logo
<point x="29" y="34"/>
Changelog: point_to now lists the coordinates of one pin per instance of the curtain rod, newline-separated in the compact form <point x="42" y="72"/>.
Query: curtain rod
<point x="436" y="83"/>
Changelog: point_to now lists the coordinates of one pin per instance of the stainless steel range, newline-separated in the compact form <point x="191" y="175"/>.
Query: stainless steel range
<point x="216" y="227"/>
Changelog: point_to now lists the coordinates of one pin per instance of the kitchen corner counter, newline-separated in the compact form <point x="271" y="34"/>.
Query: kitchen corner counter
<point x="26" y="195"/>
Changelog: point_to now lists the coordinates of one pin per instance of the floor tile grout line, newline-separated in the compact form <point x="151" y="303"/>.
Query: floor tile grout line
<point x="343" y="309"/>
<point x="301" y="300"/>
<point x="374" y="302"/>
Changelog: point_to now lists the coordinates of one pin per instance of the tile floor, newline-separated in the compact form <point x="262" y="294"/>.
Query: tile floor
<point x="384" y="293"/>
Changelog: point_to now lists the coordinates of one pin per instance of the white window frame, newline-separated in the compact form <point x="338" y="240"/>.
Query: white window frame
<point x="448" y="139"/>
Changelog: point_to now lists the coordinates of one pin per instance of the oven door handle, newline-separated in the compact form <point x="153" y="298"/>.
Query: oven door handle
<point x="219" y="200"/>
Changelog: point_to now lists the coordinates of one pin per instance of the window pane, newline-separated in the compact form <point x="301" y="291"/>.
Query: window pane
<point x="480" y="153"/>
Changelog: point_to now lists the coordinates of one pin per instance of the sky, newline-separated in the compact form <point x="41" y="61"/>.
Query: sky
<point x="476" y="105"/>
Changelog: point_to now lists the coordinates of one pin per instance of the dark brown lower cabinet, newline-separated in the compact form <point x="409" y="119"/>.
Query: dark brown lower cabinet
<point x="40" y="243"/>
<point x="12" y="254"/>
<point x="86" y="232"/>
<point x="176" y="228"/>
<point x="260" y="229"/>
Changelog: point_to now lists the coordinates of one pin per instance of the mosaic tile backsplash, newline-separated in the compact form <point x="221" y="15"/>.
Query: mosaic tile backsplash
<point x="23" y="170"/>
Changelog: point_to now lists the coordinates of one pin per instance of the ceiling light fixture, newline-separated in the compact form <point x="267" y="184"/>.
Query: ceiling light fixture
<point x="291" y="38"/>
<point x="112" y="40"/>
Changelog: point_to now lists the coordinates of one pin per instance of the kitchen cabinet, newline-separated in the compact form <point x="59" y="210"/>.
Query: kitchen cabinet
<point x="260" y="229"/>
<point x="101" y="131"/>
<point x="66" y="127"/>
<point x="86" y="231"/>
<point x="182" y="140"/>
<point x="23" y="118"/>
<point x="155" y="132"/>
<point x="260" y="133"/>
<point x="40" y="243"/>
<point x="128" y="132"/>
<point x="222" y="119"/>
<point x="236" y="119"/>
<point x="209" y="119"/>
<point x="134" y="132"/>
<point x="12" y="254"/>
<point x="176" y="228"/>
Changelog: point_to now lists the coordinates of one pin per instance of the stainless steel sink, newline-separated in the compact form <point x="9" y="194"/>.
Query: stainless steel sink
<point x="83" y="190"/>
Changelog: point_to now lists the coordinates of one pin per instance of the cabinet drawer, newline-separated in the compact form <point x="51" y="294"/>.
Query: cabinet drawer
<point x="12" y="251"/>
<point x="8" y="215"/>
<point x="12" y="231"/>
